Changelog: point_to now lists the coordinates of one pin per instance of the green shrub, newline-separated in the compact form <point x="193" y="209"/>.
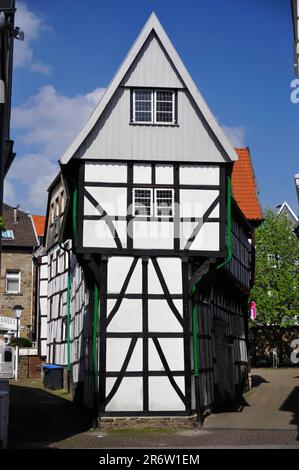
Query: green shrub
<point x="21" y="342"/>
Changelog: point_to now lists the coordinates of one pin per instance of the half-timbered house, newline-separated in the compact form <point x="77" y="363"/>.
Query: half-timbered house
<point x="148" y="256"/>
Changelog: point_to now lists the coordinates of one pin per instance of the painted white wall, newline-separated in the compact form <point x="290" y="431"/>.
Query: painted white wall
<point x="142" y="173"/>
<point x="118" y="268"/>
<point x="117" y="349"/>
<point x="96" y="233"/>
<point x="106" y="173"/>
<point x="128" y="317"/>
<point x="159" y="388"/>
<point x="199" y="174"/>
<point x="161" y="317"/>
<point x="129" y="396"/>
<point x="112" y="200"/>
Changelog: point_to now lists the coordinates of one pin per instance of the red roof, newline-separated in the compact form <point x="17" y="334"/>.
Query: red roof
<point x="244" y="186"/>
<point x="39" y="222"/>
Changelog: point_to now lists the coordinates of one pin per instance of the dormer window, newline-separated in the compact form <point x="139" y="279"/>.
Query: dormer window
<point x="7" y="235"/>
<point x="151" y="106"/>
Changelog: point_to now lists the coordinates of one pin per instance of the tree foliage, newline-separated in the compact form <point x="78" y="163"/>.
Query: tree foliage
<point x="21" y="342"/>
<point x="276" y="289"/>
<point x="2" y="224"/>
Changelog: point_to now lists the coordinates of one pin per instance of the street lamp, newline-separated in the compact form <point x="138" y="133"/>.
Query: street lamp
<point x="17" y="309"/>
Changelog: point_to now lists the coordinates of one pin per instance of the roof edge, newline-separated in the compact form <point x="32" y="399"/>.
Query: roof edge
<point x="152" y="24"/>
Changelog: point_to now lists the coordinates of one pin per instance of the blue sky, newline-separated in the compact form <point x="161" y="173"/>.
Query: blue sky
<point x="239" y="53"/>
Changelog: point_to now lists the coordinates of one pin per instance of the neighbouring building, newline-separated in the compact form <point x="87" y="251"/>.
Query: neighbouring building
<point x="8" y="32"/>
<point x="286" y="210"/>
<point x="39" y="223"/>
<point x="148" y="253"/>
<point x="17" y="285"/>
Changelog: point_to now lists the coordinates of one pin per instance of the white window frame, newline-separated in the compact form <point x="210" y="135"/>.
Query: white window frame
<point x="156" y="205"/>
<point x="165" y="123"/>
<point x="9" y="233"/>
<point x="17" y="275"/>
<point x="154" y="107"/>
<point x="151" y="206"/>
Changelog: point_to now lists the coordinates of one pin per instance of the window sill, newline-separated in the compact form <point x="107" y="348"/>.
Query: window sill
<point x="15" y="294"/>
<point x="151" y="124"/>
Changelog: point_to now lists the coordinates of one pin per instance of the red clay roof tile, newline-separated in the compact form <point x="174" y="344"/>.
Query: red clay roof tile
<point x="244" y="185"/>
<point x="39" y="222"/>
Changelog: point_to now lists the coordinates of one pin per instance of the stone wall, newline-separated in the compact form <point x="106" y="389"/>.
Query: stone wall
<point x="262" y="341"/>
<point x="25" y="369"/>
<point x="21" y="261"/>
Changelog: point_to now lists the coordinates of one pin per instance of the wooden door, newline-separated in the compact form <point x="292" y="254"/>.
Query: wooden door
<point x="34" y="369"/>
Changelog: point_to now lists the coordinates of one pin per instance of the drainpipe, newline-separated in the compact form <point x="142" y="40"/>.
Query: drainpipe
<point x="195" y="312"/>
<point x="94" y="352"/>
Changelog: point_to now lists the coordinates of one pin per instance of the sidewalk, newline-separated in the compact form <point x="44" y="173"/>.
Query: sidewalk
<point x="269" y="418"/>
<point x="272" y="403"/>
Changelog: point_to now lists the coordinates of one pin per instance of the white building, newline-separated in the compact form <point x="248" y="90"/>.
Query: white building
<point x="148" y="308"/>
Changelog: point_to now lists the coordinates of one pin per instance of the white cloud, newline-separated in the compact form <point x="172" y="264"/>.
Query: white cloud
<point x="33" y="26"/>
<point x="51" y="120"/>
<point x="45" y="124"/>
<point x="236" y="135"/>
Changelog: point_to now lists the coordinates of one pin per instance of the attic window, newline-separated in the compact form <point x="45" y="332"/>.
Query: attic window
<point x="7" y="235"/>
<point x="153" y="106"/>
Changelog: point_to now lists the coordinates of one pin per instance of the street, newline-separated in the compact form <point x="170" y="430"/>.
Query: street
<point x="268" y="416"/>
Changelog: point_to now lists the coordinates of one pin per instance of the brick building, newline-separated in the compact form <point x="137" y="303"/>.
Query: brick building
<point x="19" y="239"/>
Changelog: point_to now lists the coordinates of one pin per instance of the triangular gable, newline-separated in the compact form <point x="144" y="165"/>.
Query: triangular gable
<point x="152" y="67"/>
<point x="152" y="24"/>
<point x="285" y="208"/>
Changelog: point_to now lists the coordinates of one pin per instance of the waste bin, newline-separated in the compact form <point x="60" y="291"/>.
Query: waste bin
<point x="53" y="376"/>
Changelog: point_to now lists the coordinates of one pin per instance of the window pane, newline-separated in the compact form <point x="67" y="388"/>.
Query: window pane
<point x="164" y="117"/>
<point x="143" y="116"/>
<point x="164" y="95"/>
<point x="164" y="106"/>
<point x="164" y="199"/>
<point x="142" y="202"/>
<point x="7" y="235"/>
<point x="143" y="95"/>
<point x="13" y="282"/>
<point x="143" y="106"/>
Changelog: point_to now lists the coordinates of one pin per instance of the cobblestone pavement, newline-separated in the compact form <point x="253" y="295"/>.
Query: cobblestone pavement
<point x="272" y="403"/>
<point x="269" y="417"/>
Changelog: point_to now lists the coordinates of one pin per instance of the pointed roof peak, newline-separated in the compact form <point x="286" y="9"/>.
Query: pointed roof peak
<point x="153" y="23"/>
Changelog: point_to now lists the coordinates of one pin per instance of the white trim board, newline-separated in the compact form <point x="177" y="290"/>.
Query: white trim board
<point x="152" y="24"/>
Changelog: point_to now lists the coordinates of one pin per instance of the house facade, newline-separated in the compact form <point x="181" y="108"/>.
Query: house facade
<point x="148" y="257"/>
<point x="17" y="285"/>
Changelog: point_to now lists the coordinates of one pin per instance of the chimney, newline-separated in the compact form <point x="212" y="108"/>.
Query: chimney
<point x="15" y="214"/>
